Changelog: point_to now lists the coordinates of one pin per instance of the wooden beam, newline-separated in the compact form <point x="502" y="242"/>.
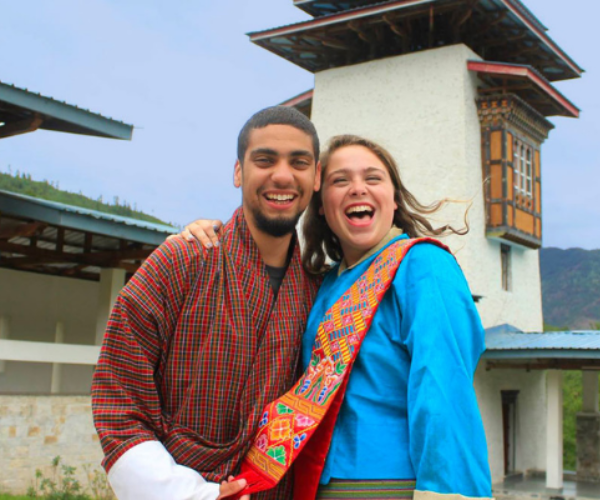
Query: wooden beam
<point x="358" y="28"/>
<point x="330" y="42"/>
<point x="21" y="126"/>
<point x="60" y="239"/>
<point x="35" y="255"/>
<point x="497" y="19"/>
<point x="546" y="364"/>
<point x="23" y="230"/>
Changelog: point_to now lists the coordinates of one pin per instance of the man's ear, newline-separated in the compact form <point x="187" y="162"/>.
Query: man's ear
<point x="237" y="174"/>
<point x="318" y="177"/>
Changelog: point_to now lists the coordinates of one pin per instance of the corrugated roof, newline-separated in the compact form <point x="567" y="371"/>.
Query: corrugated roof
<point x="507" y="342"/>
<point x="579" y="339"/>
<point x="59" y="115"/>
<point x="89" y="213"/>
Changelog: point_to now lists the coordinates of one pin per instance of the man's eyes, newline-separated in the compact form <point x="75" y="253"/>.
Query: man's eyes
<point x="301" y="163"/>
<point x="263" y="160"/>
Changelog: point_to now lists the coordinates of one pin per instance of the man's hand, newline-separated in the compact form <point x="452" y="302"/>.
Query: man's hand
<point x="203" y="230"/>
<point x="231" y="487"/>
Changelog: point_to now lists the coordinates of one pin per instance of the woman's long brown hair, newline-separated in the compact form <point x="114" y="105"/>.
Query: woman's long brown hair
<point x="320" y="241"/>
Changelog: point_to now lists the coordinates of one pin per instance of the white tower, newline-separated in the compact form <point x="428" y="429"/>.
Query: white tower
<point x="422" y="78"/>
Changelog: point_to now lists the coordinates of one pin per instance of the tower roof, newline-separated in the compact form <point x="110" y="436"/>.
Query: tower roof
<point x="499" y="30"/>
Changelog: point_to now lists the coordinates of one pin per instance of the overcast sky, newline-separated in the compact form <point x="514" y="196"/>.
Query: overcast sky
<point x="184" y="73"/>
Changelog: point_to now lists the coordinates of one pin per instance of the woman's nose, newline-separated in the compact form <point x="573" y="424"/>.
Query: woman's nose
<point x="358" y="188"/>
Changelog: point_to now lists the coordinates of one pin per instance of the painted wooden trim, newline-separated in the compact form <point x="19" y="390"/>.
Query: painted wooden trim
<point x="299" y="99"/>
<point x="526" y="72"/>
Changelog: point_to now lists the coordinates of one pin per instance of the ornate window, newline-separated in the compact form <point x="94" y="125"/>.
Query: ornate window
<point x="512" y="133"/>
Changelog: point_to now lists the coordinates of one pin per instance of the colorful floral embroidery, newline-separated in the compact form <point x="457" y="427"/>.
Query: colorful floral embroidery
<point x="304" y="421"/>
<point x="277" y="453"/>
<point x="298" y="440"/>
<point x="280" y="429"/>
<point x="264" y="419"/>
<point x="262" y="442"/>
<point x="283" y="410"/>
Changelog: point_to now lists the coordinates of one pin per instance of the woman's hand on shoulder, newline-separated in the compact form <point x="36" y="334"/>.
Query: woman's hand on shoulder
<point x="203" y="230"/>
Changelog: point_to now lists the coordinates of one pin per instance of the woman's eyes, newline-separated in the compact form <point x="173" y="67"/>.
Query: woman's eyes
<point x="371" y="179"/>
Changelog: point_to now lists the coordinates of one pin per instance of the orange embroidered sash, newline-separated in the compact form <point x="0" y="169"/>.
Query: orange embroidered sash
<point x="302" y="420"/>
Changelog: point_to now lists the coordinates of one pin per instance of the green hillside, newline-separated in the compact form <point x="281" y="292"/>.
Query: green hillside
<point x="22" y="183"/>
<point x="571" y="287"/>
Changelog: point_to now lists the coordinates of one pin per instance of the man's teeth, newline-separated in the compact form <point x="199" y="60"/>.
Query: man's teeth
<point x="359" y="208"/>
<point x="280" y="197"/>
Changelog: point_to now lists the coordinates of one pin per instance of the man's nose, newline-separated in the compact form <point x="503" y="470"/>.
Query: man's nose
<point x="283" y="174"/>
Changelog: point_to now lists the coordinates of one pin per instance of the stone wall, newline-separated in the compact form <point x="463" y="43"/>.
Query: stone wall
<point x="588" y="446"/>
<point x="35" y="429"/>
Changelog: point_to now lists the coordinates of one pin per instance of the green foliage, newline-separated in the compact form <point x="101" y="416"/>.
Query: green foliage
<point x="572" y="404"/>
<point x="62" y="485"/>
<point x="98" y="484"/>
<point x="552" y="328"/>
<point x="22" y="183"/>
<point x="572" y="386"/>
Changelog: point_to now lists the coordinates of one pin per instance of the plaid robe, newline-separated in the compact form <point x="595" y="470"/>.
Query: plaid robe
<point x="195" y="347"/>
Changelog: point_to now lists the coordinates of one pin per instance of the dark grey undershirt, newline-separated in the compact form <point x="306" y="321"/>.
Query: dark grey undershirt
<point x="276" y="275"/>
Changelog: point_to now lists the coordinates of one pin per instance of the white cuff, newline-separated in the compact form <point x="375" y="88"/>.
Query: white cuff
<point x="148" y="471"/>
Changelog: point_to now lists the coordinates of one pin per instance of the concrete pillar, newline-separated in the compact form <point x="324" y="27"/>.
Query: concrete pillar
<point x="554" y="429"/>
<point x="111" y="283"/>
<point x="588" y="430"/>
<point x="59" y="338"/>
<point x="3" y="335"/>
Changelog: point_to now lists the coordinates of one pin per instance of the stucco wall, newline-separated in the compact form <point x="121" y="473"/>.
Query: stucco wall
<point x="421" y="107"/>
<point x="530" y="438"/>
<point x="32" y="304"/>
<point x="35" y="429"/>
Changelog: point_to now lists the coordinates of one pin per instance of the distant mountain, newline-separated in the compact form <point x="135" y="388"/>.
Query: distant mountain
<point x="23" y="183"/>
<point x="571" y="287"/>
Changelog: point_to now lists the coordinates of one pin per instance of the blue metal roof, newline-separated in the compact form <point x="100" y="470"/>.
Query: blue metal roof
<point x="57" y="115"/>
<point x="506" y="341"/>
<point x="84" y="219"/>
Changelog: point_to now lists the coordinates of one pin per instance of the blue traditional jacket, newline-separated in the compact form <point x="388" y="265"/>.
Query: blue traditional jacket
<point x="410" y="410"/>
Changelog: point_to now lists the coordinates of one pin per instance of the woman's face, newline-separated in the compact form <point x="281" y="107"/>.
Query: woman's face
<point x="358" y="200"/>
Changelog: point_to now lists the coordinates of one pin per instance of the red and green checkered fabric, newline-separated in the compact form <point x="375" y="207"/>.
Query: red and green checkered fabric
<point x="195" y="347"/>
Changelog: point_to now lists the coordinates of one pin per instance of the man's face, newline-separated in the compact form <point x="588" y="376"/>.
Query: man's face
<point x="277" y="178"/>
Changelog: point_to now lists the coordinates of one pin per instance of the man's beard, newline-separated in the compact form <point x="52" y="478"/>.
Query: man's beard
<point x="277" y="227"/>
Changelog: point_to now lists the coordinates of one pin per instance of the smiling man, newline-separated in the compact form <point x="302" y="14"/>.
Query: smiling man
<point x="198" y="342"/>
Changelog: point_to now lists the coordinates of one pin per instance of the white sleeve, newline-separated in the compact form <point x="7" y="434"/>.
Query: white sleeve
<point x="148" y="471"/>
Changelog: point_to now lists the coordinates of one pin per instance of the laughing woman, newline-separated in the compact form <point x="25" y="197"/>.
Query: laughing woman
<point x="386" y="406"/>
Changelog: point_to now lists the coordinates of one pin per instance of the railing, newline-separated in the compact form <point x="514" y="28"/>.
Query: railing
<point x="48" y="352"/>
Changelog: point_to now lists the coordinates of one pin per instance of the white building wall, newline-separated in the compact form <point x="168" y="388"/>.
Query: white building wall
<point x="421" y="106"/>
<point x="32" y="304"/>
<point x="530" y="419"/>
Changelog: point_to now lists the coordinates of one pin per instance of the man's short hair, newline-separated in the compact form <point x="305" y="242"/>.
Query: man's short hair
<point x="277" y="115"/>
